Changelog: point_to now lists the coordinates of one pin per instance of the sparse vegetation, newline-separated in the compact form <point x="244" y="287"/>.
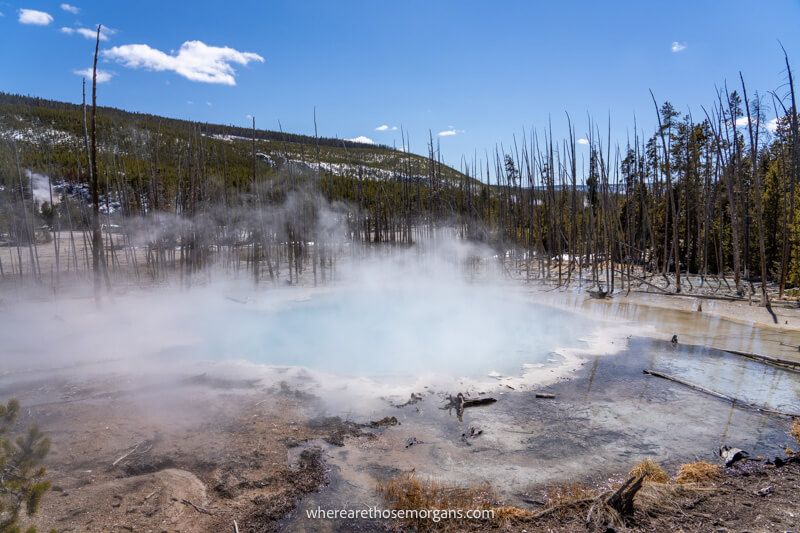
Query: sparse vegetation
<point x="22" y="482"/>
<point x="567" y="504"/>
<point x="795" y="429"/>
<point x="410" y="491"/>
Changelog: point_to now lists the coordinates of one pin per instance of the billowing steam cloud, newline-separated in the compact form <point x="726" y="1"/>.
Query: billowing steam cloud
<point x="40" y="188"/>
<point x="438" y="310"/>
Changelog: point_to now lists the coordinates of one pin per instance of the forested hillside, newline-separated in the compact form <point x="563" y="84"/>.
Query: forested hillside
<point x="712" y="196"/>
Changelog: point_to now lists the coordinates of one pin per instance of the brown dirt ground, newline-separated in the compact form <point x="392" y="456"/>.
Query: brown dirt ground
<point x="199" y="459"/>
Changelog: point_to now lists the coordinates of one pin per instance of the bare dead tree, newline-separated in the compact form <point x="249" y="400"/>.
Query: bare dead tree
<point x="97" y="236"/>
<point x="753" y="130"/>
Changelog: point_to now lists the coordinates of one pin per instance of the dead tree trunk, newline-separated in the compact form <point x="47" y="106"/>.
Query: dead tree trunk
<point x="97" y="236"/>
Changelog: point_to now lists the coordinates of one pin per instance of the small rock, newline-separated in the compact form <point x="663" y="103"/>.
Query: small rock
<point x="765" y="491"/>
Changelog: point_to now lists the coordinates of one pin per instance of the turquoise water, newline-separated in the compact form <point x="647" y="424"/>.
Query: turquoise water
<point x="459" y="331"/>
<point x="737" y="377"/>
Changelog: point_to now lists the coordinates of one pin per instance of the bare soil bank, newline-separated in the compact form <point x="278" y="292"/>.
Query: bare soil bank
<point x="190" y="456"/>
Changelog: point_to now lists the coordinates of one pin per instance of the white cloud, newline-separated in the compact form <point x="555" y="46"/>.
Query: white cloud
<point x="361" y="139"/>
<point x="583" y="141"/>
<point x="195" y="61"/>
<point x="90" y="33"/>
<point x="448" y="133"/>
<point x="678" y="46"/>
<point x="37" y="18"/>
<point x="102" y="75"/>
<point x="386" y="127"/>
<point x="209" y="104"/>
<point x="1" y="14"/>
<point x="772" y="125"/>
<point x="70" y="9"/>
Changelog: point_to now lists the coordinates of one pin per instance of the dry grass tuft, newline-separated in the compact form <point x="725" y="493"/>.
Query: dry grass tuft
<point x="566" y="503"/>
<point x="699" y="472"/>
<point x="509" y="513"/>
<point x="651" y="470"/>
<point x="409" y="491"/>
<point x="795" y="430"/>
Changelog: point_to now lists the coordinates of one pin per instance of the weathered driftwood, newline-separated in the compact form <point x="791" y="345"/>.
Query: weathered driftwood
<point x="545" y="395"/>
<point x="622" y="499"/>
<point x="475" y="402"/>
<point x="719" y="395"/>
<point x="642" y="280"/>
<point x="414" y="398"/>
<point x="732" y="456"/>
<point x="768" y="359"/>
<point x="459" y="402"/>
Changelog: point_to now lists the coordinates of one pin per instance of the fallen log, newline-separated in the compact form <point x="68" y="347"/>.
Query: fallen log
<point x="478" y="401"/>
<point x="642" y="280"/>
<point x="546" y="395"/>
<point x="414" y="398"/>
<point x="770" y="360"/>
<point x="459" y="402"/>
<point x="771" y="312"/>
<point x="719" y="395"/>
<point x="686" y="295"/>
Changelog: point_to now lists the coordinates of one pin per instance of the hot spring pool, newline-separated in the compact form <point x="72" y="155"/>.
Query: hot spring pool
<point x="465" y="331"/>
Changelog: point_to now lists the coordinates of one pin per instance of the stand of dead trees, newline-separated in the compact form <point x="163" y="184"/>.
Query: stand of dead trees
<point x="702" y="204"/>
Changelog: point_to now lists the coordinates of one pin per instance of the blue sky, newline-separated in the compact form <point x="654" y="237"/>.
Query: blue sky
<point x="475" y="72"/>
